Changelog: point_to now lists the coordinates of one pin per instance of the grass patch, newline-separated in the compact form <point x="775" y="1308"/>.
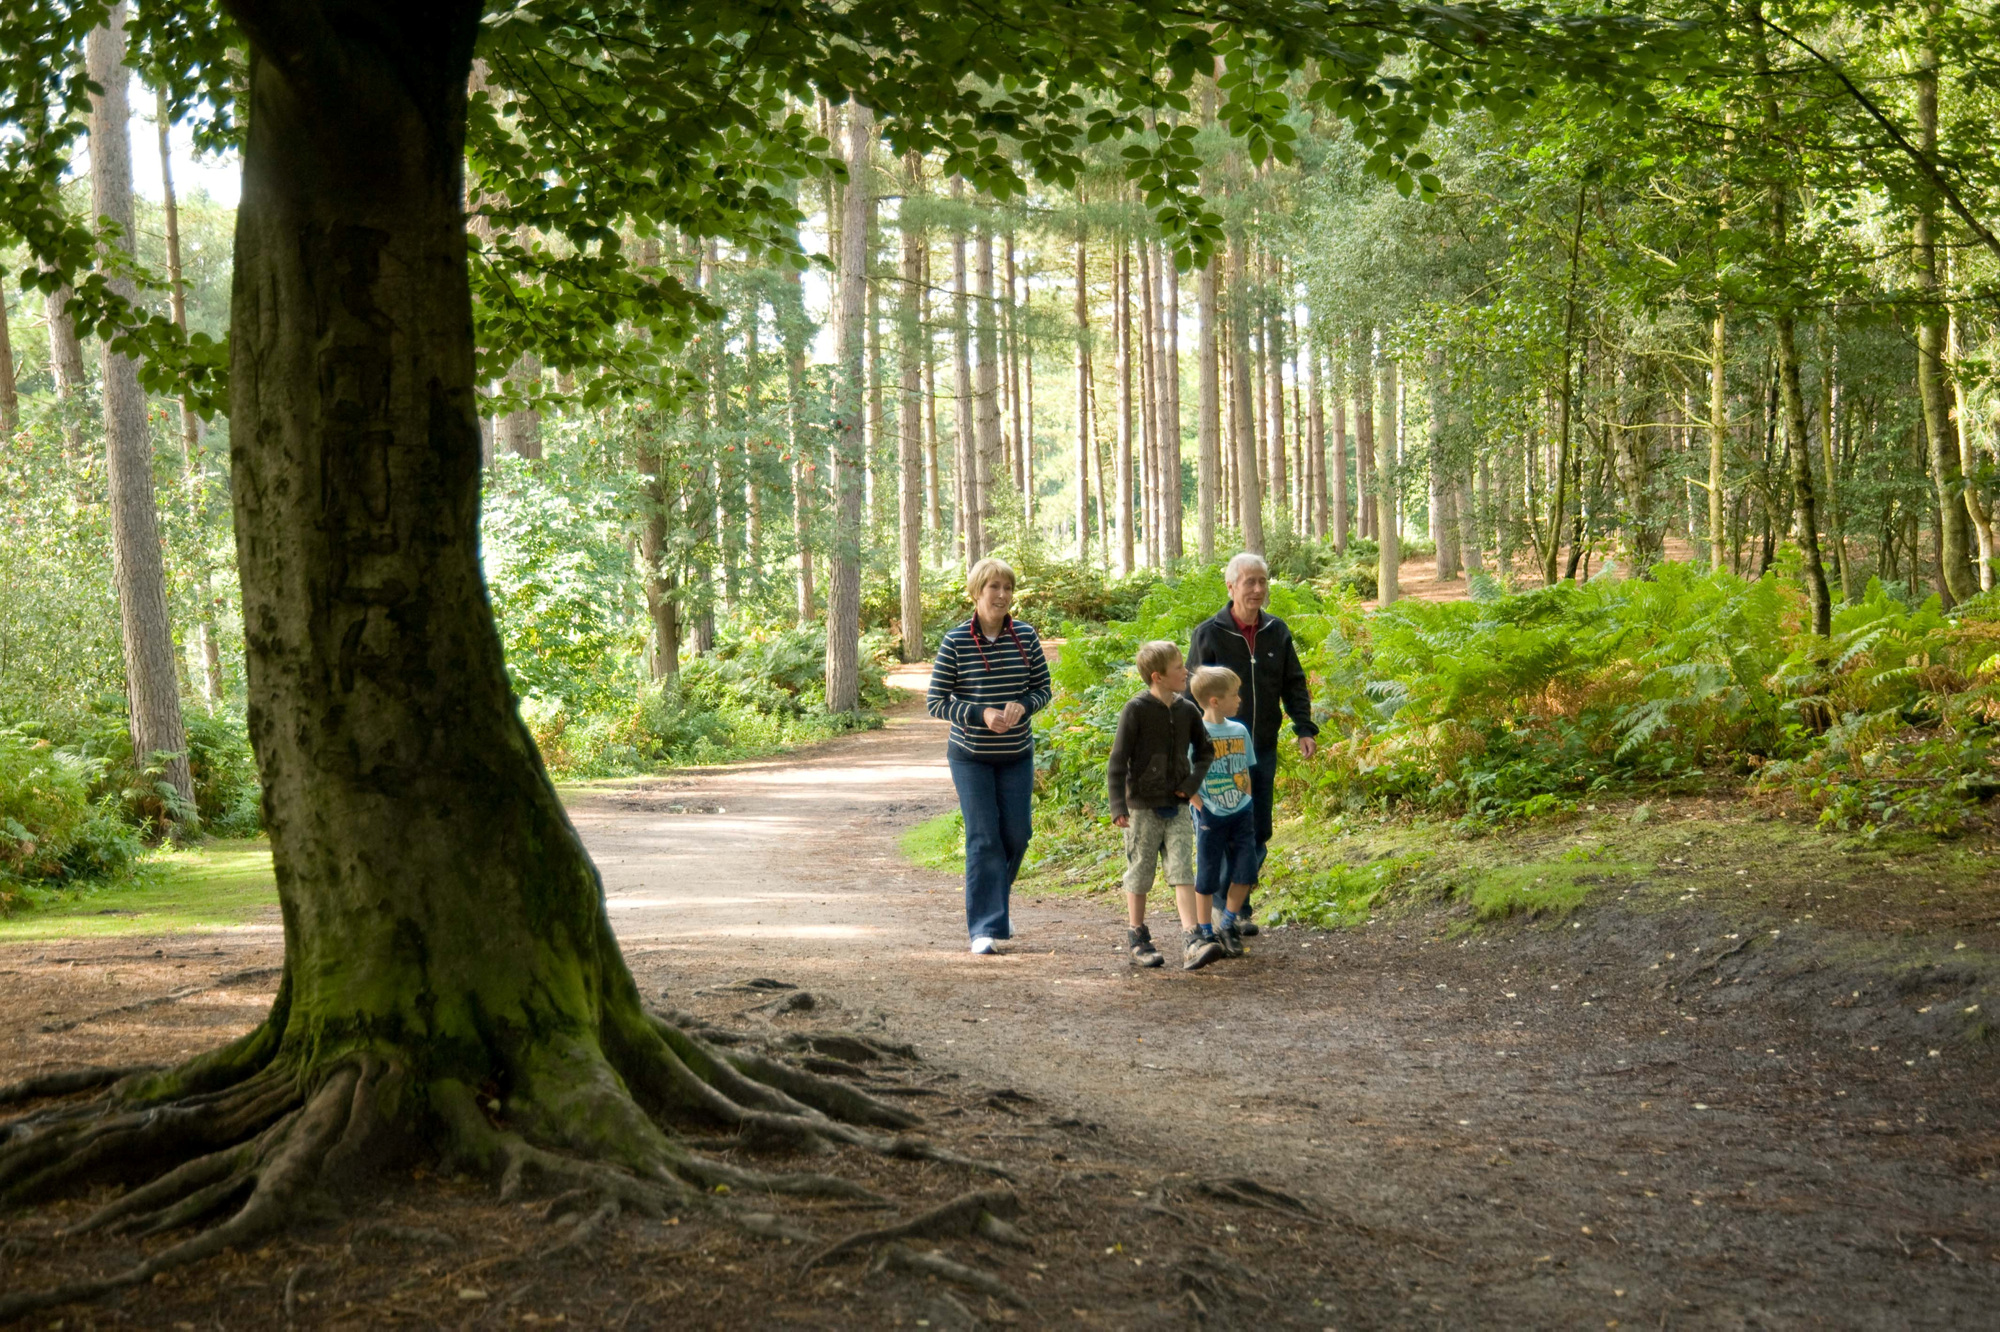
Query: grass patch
<point x="220" y="885"/>
<point x="938" y="843"/>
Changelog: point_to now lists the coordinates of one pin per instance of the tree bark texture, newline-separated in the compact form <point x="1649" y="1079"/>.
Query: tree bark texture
<point x="1121" y="323"/>
<point x="152" y="684"/>
<point x="1933" y="371"/>
<point x="1208" y="426"/>
<point x="843" y="593"/>
<point x="1082" y="398"/>
<point x="10" y="400"/>
<point x="962" y="410"/>
<point x="1250" y="496"/>
<point x="1390" y="561"/>
<point x="910" y="463"/>
<point x="986" y="415"/>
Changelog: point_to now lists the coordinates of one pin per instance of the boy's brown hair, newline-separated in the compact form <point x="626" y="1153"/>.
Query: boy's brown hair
<point x="1212" y="682"/>
<point x="1155" y="657"/>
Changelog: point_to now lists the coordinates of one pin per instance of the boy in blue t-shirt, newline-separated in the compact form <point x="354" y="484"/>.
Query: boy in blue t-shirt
<point x="1225" y="828"/>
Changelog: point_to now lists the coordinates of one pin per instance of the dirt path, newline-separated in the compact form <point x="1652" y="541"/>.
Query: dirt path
<point x="1525" y="1130"/>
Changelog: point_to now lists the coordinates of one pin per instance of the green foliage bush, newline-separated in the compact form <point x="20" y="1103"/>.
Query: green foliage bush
<point x="1049" y="593"/>
<point x="52" y="831"/>
<point x="1515" y="706"/>
<point x="761" y="689"/>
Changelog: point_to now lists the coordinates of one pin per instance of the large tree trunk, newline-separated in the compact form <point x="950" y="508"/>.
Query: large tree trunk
<point x="843" y="592"/>
<point x="211" y="651"/>
<point x="910" y="462"/>
<point x="969" y="505"/>
<point x="1389" y="562"/>
<point x="804" y="478"/>
<point x="1933" y="381"/>
<point x="1337" y="450"/>
<point x="1082" y="398"/>
<point x="10" y="400"/>
<point x="451" y="979"/>
<point x="1718" y="439"/>
<point x="151" y="683"/>
<point x="1208" y="426"/>
<point x="1250" y="497"/>
<point x="1176" y="498"/>
<point x="986" y="412"/>
<point x="1274" y="388"/>
<point x="1316" y="435"/>
<point x="1361" y="377"/>
<point x="1148" y="351"/>
<point x="1121" y="325"/>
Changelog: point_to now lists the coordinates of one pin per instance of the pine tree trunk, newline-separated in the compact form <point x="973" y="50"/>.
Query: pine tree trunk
<point x="843" y="594"/>
<point x="1387" y="533"/>
<point x="992" y="466"/>
<point x="520" y="430"/>
<point x="1718" y="439"/>
<point x="10" y="399"/>
<point x="1250" y="495"/>
<point x="963" y="411"/>
<point x="1829" y="443"/>
<point x="1176" y="503"/>
<point x="1933" y="372"/>
<point x="1361" y="376"/>
<point x="910" y="462"/>
<point x="1083" y="432"/>
<point x="1316" y="437"/>
<point x="1018" y="454"/>
<point x="1274" y="388"/>
<point x="151" y="681"/>
<point x="1208" y="456"/>
<point x="1121" y="322"/>
<point x="66" y="365"/>
<point x="1337" y="453"/>
<point x="804" y="478"/>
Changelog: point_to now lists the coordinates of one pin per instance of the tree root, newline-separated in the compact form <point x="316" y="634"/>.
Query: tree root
<point x="67" y="1083"/>
<point x="937" y="1265"/>
<point x="1247" y="1192"/>
<point x="240" y="1141"/>
<point x="961" y="1216"/>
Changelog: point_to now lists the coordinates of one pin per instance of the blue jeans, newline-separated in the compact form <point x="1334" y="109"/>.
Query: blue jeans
<point x="997" y="802"/>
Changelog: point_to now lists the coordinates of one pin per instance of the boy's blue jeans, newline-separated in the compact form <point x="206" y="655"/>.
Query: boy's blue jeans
<point x="997" y="800"/>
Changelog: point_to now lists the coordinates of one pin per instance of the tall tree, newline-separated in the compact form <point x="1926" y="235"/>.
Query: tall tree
<point x="1121" y="331"/>
<point x="1208" y="414"/>
<point x="910" y="462"/>
<point x="1083" y="432"/>
<point x="1388" y="533"/>
<point x="10" y="401"/>
<point x="151" y="683"/>
<point x="1250" y="496"/>
<point x="970" y="505"/>
<point x="843" y="593"/>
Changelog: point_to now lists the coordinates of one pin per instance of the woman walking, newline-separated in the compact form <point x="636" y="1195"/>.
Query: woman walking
<point x="989" y="678"/>
<point x="1259" y="648"/>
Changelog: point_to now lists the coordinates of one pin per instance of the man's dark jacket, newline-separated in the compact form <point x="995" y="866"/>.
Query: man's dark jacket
<point x="1275" y="680"/>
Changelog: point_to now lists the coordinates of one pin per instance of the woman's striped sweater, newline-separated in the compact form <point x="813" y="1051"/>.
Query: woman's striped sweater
<point x="973" y="673"/>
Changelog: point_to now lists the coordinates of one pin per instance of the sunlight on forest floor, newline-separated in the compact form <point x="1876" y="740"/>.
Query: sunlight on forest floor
<point x="220" y="885"/>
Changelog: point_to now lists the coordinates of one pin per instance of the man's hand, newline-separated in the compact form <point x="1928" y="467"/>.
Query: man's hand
<point x="1120" y="820"/>
<point x="1308" y="746"/>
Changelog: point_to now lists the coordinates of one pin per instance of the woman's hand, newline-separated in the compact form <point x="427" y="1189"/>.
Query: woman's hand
<point x="999" y="720"/>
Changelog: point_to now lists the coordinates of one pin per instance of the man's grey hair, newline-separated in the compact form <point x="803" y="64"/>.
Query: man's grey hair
<point x="1238" y="563"/>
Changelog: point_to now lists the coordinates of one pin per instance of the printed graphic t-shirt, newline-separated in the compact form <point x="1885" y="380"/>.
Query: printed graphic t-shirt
<point x="1226" y="788"/>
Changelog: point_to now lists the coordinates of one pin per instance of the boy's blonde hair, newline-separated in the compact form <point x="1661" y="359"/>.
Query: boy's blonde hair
<point x="1211" y="682"/>
<point x="1155" y="657"/>
<point x="985" y="572"/>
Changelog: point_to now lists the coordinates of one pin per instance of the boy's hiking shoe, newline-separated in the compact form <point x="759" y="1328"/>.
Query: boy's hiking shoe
<point x="1140" y="942"/>
<point x="1198" y="950"/>
<point x="1244" y="925"/>
<point x="1230" y="939"/>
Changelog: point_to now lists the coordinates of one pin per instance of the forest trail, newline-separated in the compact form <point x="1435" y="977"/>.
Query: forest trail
<point x="1530" y="1126"/>
<point x="1522" y="1129"/>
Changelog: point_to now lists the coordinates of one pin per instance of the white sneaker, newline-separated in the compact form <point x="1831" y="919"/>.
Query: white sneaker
<point x="984" y="945"/>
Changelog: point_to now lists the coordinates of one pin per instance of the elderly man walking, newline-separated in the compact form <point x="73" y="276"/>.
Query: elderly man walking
<point x="1259" y="648"/>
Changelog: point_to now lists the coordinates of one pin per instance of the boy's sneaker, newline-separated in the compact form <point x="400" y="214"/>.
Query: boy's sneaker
<point x="1198" y="950"/>
<point x="1230" y="938"/>
<point x="1244" y="925"/>
<point x="1140" y="942"/>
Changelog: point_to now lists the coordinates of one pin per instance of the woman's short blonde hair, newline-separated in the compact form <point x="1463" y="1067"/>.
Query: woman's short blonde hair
<point x="985" y="572"/>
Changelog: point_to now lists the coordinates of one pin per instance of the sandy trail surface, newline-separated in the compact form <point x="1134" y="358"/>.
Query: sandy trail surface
<point x="1528" y="1128"/>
